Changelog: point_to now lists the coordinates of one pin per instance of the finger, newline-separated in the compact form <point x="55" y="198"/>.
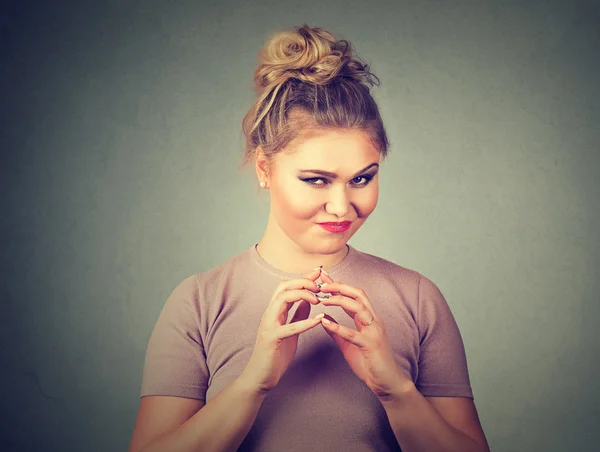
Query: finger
<point x="283" y="301"/>
<point x="295" y="328"/>
<point x="282" y="304"/>
<point x="314" y="274"/>
<point x="348" y="291"/>
<point x="349" y="305"/>
<point x="339" y="332"/>
<point x="294" y="295"/>
<point x="308" y="282"/>
<point x="340" y="341"/>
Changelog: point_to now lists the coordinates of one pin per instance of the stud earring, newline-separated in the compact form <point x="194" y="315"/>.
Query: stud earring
<point x="263" y="184"/>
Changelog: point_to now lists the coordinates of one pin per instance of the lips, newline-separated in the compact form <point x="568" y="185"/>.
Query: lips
<point x="336" y="227"/>
<point x="343" y="224"/>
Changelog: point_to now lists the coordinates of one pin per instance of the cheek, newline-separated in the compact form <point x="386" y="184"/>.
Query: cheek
<point x="367" y="204"/>
<point x="296" y="201"/>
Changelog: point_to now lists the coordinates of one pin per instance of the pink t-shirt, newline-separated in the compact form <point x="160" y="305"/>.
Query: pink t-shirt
<point x="206" y="332"/>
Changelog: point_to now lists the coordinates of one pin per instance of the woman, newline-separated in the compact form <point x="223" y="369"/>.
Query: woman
<point x="371" y="358"/>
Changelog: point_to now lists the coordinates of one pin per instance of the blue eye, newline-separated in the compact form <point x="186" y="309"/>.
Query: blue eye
<point x="366" y="178"/>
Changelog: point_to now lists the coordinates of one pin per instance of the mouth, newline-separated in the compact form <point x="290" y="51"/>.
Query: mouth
<point x="336" y="227"/>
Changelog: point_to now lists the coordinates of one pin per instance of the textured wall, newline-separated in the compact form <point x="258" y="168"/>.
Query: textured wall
<point x="120" y="138"/>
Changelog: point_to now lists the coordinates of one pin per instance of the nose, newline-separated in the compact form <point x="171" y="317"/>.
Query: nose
<point x="338" y="202"/>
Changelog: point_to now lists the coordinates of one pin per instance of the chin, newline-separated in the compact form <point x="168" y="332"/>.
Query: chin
<point x="333" y="250"/>
<point x="324" y="247"/>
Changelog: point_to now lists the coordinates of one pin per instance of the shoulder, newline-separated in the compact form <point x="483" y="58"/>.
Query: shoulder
<point x="386" y="273"/>
<point x="192" y="283"/>
<point x="191" y="294"/>
<point x="221" y="278"/>
<point x="240" y="264"/>
<point x="379" y="267"/>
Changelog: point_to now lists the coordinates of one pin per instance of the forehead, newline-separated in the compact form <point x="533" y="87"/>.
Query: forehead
<point x="330" y="149"/>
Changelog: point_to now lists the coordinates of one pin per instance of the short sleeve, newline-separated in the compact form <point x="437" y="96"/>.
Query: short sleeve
<point x="175" y="363"/>
<point x="443" y="370"/>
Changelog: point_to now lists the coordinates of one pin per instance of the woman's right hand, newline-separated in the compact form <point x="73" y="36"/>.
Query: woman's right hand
<point x="276" y="341"/>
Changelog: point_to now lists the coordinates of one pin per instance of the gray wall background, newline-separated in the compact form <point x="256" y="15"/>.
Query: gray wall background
<point x="120" y="141"/>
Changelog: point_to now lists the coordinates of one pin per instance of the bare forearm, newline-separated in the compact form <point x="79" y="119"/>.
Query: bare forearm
<point x="418" y="426"/>
<point x="221" y="425"/>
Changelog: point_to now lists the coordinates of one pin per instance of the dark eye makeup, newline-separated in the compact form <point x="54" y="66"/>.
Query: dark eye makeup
<point x="313" y="180"/>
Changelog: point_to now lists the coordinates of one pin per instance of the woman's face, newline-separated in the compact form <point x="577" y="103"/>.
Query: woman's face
<point x="302" y="195"/>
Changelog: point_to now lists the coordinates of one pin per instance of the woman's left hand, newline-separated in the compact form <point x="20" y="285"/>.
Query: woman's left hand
<point x="366" y="349"/>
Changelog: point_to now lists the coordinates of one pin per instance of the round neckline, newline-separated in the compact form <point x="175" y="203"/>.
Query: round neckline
<point x="336" y="269"/>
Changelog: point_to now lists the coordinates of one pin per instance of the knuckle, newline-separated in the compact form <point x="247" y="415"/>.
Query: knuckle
<point x="305" y="295"/>
<point x="265" y="336"/>
<point x="276" y="294"/>
<point x="311" y="299"/>
<point x="276" y="299"/>
<point x="281" y="286"/>
<point x="288" y="296"/>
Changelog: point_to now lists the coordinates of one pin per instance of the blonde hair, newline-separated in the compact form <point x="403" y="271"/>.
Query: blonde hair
<point x="307" y="80"/>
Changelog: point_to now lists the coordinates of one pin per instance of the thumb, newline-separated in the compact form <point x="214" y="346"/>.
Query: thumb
<point x="341" y="343"/>
<point x="314" y="274"/>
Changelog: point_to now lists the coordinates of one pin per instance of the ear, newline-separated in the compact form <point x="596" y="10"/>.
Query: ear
<point x="261" y="164"/>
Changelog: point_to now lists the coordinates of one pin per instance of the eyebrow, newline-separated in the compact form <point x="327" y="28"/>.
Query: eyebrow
<point x="333" y="175"/>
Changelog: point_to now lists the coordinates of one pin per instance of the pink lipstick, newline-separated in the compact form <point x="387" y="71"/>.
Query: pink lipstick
<point x="336" y="227"/>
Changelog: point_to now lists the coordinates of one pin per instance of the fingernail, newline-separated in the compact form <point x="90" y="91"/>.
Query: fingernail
<point x="320" y="316"/>
<point x="323" y="297"/>
<point x="323" y="284"/>
<point x="326" y="322"/>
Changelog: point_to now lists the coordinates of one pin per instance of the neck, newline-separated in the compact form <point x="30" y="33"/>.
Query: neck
<point x="281" y="252"/>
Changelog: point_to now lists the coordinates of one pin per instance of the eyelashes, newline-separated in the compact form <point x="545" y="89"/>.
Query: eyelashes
<point x="313" y="181"/>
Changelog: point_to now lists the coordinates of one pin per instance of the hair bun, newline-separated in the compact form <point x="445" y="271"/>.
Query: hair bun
<point x="311" y="55"/>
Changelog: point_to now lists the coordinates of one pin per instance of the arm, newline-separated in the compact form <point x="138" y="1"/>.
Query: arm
<point x="220" y="425"/>
<point x="182" y="424"/>
<point x="419" y="427"/>
<point x="442" y="424"/>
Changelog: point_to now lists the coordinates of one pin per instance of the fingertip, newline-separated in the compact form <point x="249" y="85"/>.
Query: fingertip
<point x="314" y="299"/>
<point x="313" y="275"/>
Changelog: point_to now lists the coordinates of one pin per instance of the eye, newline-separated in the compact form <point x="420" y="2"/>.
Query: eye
<point x="367" y="179"/>
<point x="313" y="181"/>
